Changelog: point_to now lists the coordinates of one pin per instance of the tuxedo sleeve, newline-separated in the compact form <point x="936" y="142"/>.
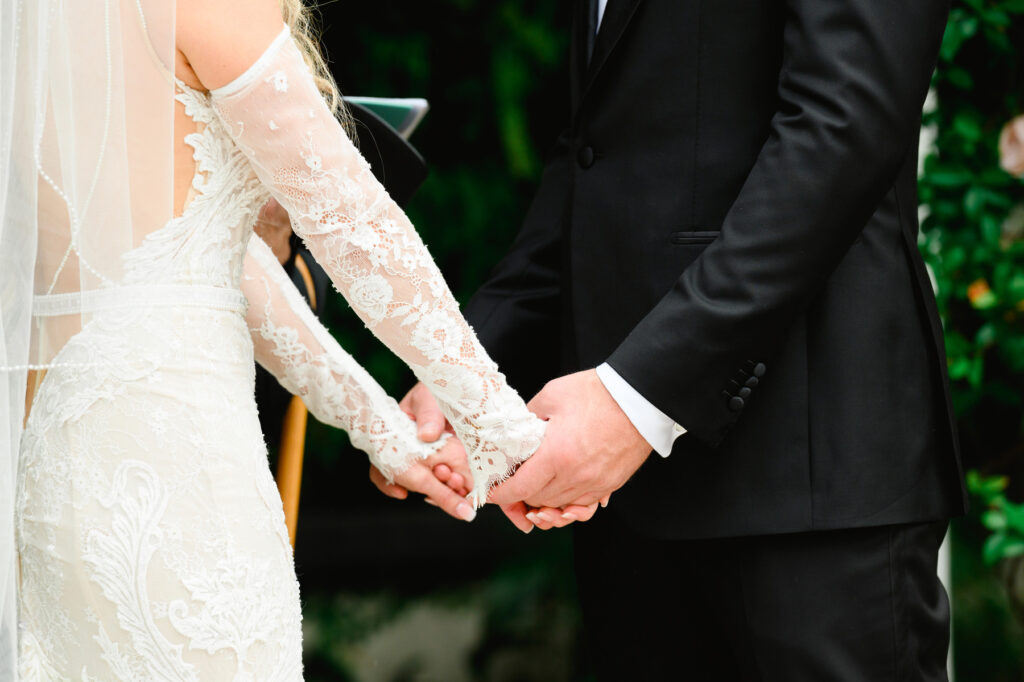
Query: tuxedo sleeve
<point x="517" y="312"/>
<point x="853" y="80"/>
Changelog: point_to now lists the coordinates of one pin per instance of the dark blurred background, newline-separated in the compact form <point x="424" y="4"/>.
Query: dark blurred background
<point x="397" y="591"/>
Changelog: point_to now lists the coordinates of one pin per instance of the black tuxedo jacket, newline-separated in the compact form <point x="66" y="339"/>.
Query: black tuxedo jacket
<point x="730" y="220"/>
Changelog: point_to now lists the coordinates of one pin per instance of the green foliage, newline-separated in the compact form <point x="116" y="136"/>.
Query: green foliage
<point x="1001" y="516"/>
<point x="974" y="224"/>
<point x="973" y="241"/>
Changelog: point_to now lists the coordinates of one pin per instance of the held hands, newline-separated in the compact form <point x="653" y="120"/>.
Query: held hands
<point x="443" y="478"/>
<point x="439" y="477"/>
<point x="590" y="450"/>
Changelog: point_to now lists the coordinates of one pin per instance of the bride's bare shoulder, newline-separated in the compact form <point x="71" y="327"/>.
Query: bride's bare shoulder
<point x="218" y="40"/>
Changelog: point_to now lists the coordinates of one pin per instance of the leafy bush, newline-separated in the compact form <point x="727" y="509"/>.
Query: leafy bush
<point x="973" y="235"/>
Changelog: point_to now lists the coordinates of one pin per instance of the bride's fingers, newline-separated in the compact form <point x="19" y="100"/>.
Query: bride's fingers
<point x="447" y="499"/>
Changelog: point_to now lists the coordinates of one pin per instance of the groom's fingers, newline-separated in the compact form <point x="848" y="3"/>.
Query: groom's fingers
<point x="389" y="489"/>
<point x="579" y="512"/>
<point x="552" y="517"/>
<point x="533" y="475"/>
<point x="516" y="513"/>
<point x="420" y="404"/>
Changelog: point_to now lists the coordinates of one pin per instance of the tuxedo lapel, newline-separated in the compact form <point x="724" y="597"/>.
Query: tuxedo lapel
<point x="582" y="47"/>
<point x="617" y="16"/>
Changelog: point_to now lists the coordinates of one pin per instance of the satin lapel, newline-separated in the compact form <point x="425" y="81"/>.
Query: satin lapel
<point x="616" y="18"/>
<point x="578" y="51"/>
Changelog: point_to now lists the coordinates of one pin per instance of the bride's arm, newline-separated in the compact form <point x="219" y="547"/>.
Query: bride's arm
<point x="373" y="254"/>
<point x="292" y="345"/>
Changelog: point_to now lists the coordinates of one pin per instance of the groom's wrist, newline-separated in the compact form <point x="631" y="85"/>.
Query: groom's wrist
<point x="656" y="427"/>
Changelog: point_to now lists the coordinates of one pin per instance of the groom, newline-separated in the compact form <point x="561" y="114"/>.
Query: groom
<point x="726" y="231"/>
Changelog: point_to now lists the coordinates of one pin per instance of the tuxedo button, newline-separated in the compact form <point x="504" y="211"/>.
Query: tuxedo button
<point x="586" y="157"/>
<point x="759" y="369"/>
<point x="744" y="392"/>
<point x="752" y="382"/>
<point x="736" y="403"/>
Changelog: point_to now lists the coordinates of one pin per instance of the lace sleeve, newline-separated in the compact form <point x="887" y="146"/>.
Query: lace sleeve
<point x="291" y="344"/>
<point x="373" y="255"/>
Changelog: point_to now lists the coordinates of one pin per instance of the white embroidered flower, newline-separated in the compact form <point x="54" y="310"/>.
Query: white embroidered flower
<point x="455" y="386"/>
<point x="409" y="261"/>
<point x="314" y="162"/>
<point x="363" y="237"/>
<point x="436" y="335"/>
<point x="371" y="295"/>
<point x="280" y="81"/>
<point x="273" y="125"/>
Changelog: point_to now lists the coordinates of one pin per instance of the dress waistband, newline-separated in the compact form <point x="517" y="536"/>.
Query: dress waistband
<point x="139" y="296"/>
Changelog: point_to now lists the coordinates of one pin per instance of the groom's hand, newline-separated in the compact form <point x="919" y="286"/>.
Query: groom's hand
<point x="590" y="448"/>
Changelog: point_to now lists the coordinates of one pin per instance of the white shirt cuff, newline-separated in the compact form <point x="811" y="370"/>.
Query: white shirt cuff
<point x="655" y="426"/>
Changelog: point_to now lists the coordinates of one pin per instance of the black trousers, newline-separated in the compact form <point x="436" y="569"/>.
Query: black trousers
<point x="858" y="605"/>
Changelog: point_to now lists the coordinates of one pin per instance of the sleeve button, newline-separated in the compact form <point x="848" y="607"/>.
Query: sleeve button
<point x="752" y="382"/>
<point x="586" y="157"/>
<point x="759" y="369"/>
<point x="744" y="392"/>
<point x="736" y="403"/>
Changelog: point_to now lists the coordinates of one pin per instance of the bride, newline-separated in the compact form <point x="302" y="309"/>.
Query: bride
<point x="139" y="139"/>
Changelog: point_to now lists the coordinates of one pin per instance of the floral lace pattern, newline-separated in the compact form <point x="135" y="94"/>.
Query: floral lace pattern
<point x="150" y="534"/>
<point x="292" y="345"/>
<point x="375" y="258"/>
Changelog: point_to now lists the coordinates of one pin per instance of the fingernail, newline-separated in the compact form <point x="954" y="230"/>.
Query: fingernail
<point x="430" y="502"/>
<point x="604" y="503"/>
<point x="532" y="516"/>
<point x="543" y="517"/>
<point x="568" y="516"/>
<point x="465" y="512"/>
<point x="529" y="530"/>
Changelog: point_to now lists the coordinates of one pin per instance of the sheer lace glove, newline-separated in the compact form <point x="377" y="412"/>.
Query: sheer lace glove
<point x="293" y="345"/>
<point x="373" y="255"/>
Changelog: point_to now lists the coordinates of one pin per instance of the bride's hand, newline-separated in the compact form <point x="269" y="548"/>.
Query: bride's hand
<point x="442" y="478"/>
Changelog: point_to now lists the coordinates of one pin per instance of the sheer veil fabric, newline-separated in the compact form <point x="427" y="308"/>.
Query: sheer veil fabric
<point x="86" y="169"/>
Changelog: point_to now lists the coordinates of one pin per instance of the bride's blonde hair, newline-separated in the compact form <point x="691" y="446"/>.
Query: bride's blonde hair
<point x="298" y="17"/>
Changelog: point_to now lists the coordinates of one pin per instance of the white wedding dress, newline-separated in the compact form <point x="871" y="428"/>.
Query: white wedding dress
<point x="150" y="533"/>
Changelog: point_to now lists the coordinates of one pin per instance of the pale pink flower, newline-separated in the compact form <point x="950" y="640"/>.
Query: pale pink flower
<point x="1011" y="147"/>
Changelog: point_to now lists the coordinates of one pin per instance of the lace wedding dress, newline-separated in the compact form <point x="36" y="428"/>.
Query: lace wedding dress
<point x="151" y="537"/>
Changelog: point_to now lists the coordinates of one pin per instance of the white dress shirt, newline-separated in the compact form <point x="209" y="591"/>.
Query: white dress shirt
<point x="655" y="426"/>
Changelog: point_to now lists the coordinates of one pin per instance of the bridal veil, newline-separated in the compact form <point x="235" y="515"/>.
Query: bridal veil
<point x="86" y="172"/>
